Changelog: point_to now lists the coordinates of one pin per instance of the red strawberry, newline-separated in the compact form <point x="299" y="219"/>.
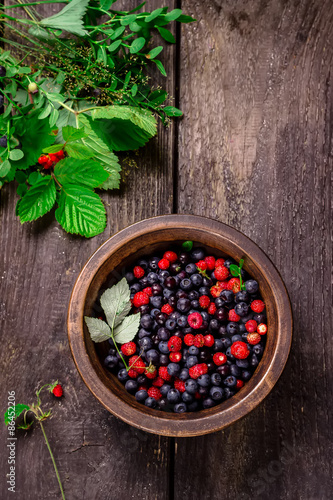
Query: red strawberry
<point x="199" y="340"/>
<point x="262" y="329"/>
<point x="210" y="262"/>
<point x="48" y="164"/>
<point x="215" y="291"/>
<point x="221" y="273"/>
<point x="219" y="262"/>
<point x="140" y="299"/>
<point x="170" y="256"/>
<point x="167" y="309"/>
<point x="138" y="272"/>
<point x="253" y="338"/>
<point x="163" y="264"/>
<point x="198" y="370"/>
<point x="158" y="382"/>
<point x="239" y="384"/>
<point x="175" y="344"/>
<point x="251" y="326"/>
<point x="234" y="285"/>
<point x="128" y="349"/>
<point x="148" y="291"/>
<point x="153" y="392"/>
<point x="143" y="387"/>
<point x="53" y="157"/>
<point x="189" y="339"/>
<point x="257" y="306"/>
<point x="136" y="363"/>
<point x="223" y="285"/>
<point x="219" y="358"/>
<point x="232" y="316"/>
<point x="163" y="373"/>
<point x="204" y="301"/>
<point x="239" y="350"/>
<point x="180" y="385"/>
<point x="175" y="357"/>
<point x="132" y="373"/>
<point x="212" y="308"/>
<point x="151" y="372"/>
<point x="209" y="340"/>
<point x="195" y="320"/>
<point x="60" y="154"/>
<point x="57" y="391"/>
<point x="43" y="159"/>
<point x="201" y="265"/>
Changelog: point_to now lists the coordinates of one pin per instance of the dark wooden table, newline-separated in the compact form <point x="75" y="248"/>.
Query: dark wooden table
<point x="254" y="150"/>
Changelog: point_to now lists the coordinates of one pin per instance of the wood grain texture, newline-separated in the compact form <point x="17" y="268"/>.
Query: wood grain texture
<point x="98" y="456"/>
<point x="255" y="151"/>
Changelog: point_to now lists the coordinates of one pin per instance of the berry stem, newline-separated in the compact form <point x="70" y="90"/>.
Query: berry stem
<point x="53" y="460"/>
<point x="119" y="352"/>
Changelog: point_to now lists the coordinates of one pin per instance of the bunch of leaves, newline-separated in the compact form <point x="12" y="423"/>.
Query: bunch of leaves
<point x="237" y="272"/>
<point x="39" y="416"/>
<point x="85" y="73"/>
<point x="120" y="327"/>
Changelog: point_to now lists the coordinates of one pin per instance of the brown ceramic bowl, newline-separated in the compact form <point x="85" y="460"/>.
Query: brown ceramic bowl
<point x="143" y="238"/>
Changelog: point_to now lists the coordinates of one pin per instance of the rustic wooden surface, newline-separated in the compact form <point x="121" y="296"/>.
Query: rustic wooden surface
<point x="254" y="149"/>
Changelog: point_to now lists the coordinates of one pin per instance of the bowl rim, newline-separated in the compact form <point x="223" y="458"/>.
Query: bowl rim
<point x="155" y="421"/>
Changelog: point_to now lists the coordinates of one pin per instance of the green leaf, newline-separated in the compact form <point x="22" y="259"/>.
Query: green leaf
<point x="15" y="412"/>
<point x="187" y="245"/>
<point x="98" y="329"/>
<point x="38" y="201"/>
<point x="153" y="15"/>
<point x="173" y="15"/>
<point x="171" y="111"/>
<point x="80" y="211"/>
<point x="115" y="46"/>
<point x="45" y="112"/>
<point x="4" y="168"/>
<point x="20" y="176"/>
<point x="167" y="35"/>
<point x="53" y="149"/>
<point x="113" y="181"/>
<point x="158" y="97"/>
<point x="106" y="4"/>
<point x="126" y="20"/>
<point x="135" y="27"/>
<point x="117" y="32"/>
<point x="87" y="173"/>
<point x="8" y="110"/>
<point x="154" y="52"/>
<point x="16" y="154"/>
<point x="234" y="270"/>
<point x="185" y="19"/>
<point x="241" y="262"/>
<point x="53" y="117"/>
<point x="127" y="330"/>
<point x="137" y="45"/>
<point x="69" y="18"/>
<point x="134" y="90"/>
<point x="22" y="189"/>
<point x="78" y="150"/>
<point x="125" y="127"/>
<point x="116" y="303"/>
<point x="160" y="66"/>
<point x="34" y="177"/>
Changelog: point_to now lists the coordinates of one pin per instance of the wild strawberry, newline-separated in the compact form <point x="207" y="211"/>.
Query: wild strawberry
<point x="163" y="264"/>
<point x="239" y="384"/>
<point x="175" y="344"/>
<point x="164" y="374"/>
<point x="132" y="373"/>
<point x="204" y="301"/>
<point x="219" y="262"/>
<point x="57" y="391"/>
<point x="158" y="382"/>
<point x="221" y="273"/>
<point x="60" y="154"/>
<point x="136" y="363"/>
<point x="140" y="299"/>
<point x="143" y="387"/>
<point x="239" y="350"/>
<point x="199" y="341"/>
<point x="48" y="164"/>
<point x="215" y="291"/>
<point x="223" y="285"/>
<point x="210" y="262"/>
<point x="151" y="372"/>
<point x="234" y="285"/>
<point x="175" y="357"/>
<point x="128" y="349"/>
<point x="209" y="340"/>
<point x="43" y="159"/>
<point x="197" y="395"/>
<point x="167" y="309"/>
<point x="198" y="370"/>
<point x="153" y="392"/>
<point x="179" y="385"/>
<point x="219" y="358"/>
<point x="232" y="316"/>
<point x="53" y="157"/>
<point x="170" y="256"/>
<point x="253" y="338"/>
<point x="189" y="339"/>
<point x="262" y="329"/>
<point x="257" y="306"/>
<point x="138" y="272"/>
<point x="251" y="326"/>
<point x="148" y="291"/>
<point x="201" y="265"/>
<point x="212" y="308"/>
<point x="195" y="320"/>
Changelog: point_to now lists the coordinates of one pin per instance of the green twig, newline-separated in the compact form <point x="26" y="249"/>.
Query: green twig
<point x="52" y="457"/>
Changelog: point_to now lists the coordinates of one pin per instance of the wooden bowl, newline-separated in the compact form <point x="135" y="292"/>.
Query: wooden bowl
<point x="105" y="267"/>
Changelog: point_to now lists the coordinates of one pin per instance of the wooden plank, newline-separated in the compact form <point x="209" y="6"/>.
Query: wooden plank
<point x="99" y="457"/>
<point x="255" y="152"/>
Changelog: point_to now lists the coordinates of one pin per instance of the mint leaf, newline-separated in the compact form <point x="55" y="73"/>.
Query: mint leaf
<point x="71" y="134"/>
<point x="187" y="246"/>
<point x="116" y="303"/>
<point x="80" y="211"/>
<point x="173" y="15"/>
<point x="154" y="52"/>
<point x="38" y="201"/>
<point x="98" y="329"/>
<point x="16" y="154"/>
<point x="167" y="35"/>
<point x="127" y="330"/>
<point x="234" y="270"/>
<point x="171" y="111"/>
<point x="69" y="18"/>
<point x="137" y="45"/>
<point x="14" y="412"/>
<point x="4" y="168"/>
<point x="160" y="66"/>
<point x="153" y="15"/>
<point x="78" y="150"/>
<point x="83" y="172"/>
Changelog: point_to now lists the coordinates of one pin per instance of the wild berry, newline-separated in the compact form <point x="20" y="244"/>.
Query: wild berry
<point x="253" y="338"/>
<point x="257" y="306"/>
<point x="197" y="370"/>
<point x="153" y="392"/>
<point x="232" y="316"/>
<point x="204" y="301"/>
<point x="189" y="339"/>
<point x="164" y="374"/>
<point x="195" y="320"/>
<point x="175" y="357"/>
<point x="140" y="298"/>
<point x="251" y="326"/>
<point x="219" y="358"/>
<point x="170" y="256"/>
<point x="148" y="290"/>
<point x="262" y="329"/>
<point x="201" y="265"/>
<point x="209" y="340"/>
<point x="234" y="285"/>
<point x="128" y="349"/>
<point x="167" y="309"/>
<point x="57" y="391"/>
<point x="175" y="344"/>
<point x="158" y="382"/>
<point x="163" y="264"/>
<point x="240" y="350"/>
<point x="136" y="363"/>
<point x="179" y="385"/>
<point x="210" y="262"/>
<point x="199" y="341"/>
<point x="221" y="273"/>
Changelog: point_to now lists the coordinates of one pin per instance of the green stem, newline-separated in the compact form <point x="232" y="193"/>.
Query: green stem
<point x="52" y="457"/>
<point x="32" y="3"/>
<point x="9" y="99"/>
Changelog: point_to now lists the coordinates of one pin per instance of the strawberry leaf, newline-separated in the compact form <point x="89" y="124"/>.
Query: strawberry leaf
<point x="71" y="134"/>
<point x="98" y="329"/>
<point x="234" y="270"/>
<point x="116" y="303"/>
<point x="14" y="412"/>
<point x="38" y="201"/>
<point x="80" y="172"/>
<point x="127" y="330"/>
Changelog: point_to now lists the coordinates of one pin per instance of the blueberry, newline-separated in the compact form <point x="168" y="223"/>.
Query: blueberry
<point x="228" y="393"/>
<point x="184" y="374"/>
<point x="242" y="328"/>
<point x="204" y="290"/>
<point x="2" y="71"/>
<point x="182" y="295"/>
<point x="147" y="322"/>
<point x="258" y="349"/>
<point x="205" y="316"/>
<point x="136" y="287"/>
<point x="226" y="342"/>
<point x="216" y="393"/>
<point x="204" y="355"/>
<point x="156" y="289"/>
<point x="182" y="321"/>
<point x="153" y="263"/>
<point x="181" y="275"/>
<point x="195" y="304"/>
<point x="143" y="333"/>
<point x="184" y="258"/>
<point x="174" y="268"/>
<point x="196" y="279"/>
<point x="191" y="361"/>
<point x="151" y="402"/>
<point x="163" y="274"/>
<point x="164" y="359"/>
<point x="259" y="318"/>
<point x="128" y="276"/>
<point x="122" y="375"/>
<point x="227" y="296"/>
<point x="141" y="379"/>
<point x="111" y="361"/>
<point x="143" y="282"/>
<point x="218" y="345"/>
<point x="143" y="263"/>
<point x="251" y="286"/>
<point x="208" y="403"/>
<point x="178" y="333"/>
<point x="197" y="254"/>
<point x="170" y="282"/>
<point x="221" y="314"/>
<point x="161" y="318"/>
<point x="154" y="311"/>
<point x="145" y="309"/>
<point x="173" y="369"/>
<point x="168" y="293"/>
<point x="236" y="338"/>
<point x="187" y="397"/>
<point x="187" y="330"/>
<point x="163" y="347"/>
<point x="141" y="395"/>
<point x="191" y="386"/>
<point x="228" y="353"/>
<point x="193" y="295"/>
<point x="232" y="328"/>
<point x="204" y="380"/>
<point x="228" y="262"/>
<point x="163" y="334"/>
<point x="242" y="296"/>
<point x="193" y="406"/>
<point x="165" y="389"/>
<point x="186" y="284"/>
<point x="156" y="301"/>
<point x="183" y="305"/>
<point x="246" y="318"/>
<point x="219" y="302"/>
<point x="194" y="351"/>
<point x="215" y="378"/>
<point x="131" y="385"/>
<point x="230" y="381"/>
<point x="254" y="361"/>
<point x="211" y="366"/>
<point x="152" y="356"/>
<point x="242" y="363"/>
<point x="174" y="315"/>
<point x="170" y="324"/>
<point x="246" y="375"/>
<point x="191" y="268"/>
<point x="242" y="309"/>
<point x="180" y="408"/>
<point x="162" y="404"/>
<point x="235" y="370"/>
<point x="173" y="396"/>
<point x="222" y="330"/>
<point x="223" y="370"/>
<point x="214" y="324"/>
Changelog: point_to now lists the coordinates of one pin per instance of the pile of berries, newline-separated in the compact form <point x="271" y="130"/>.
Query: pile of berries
<point x="201" y="337"/>
<point x="48" y="161"/>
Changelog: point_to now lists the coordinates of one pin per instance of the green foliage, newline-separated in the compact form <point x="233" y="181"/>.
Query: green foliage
<point x="38" y="201"/>
<point x="14" y="412"/>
